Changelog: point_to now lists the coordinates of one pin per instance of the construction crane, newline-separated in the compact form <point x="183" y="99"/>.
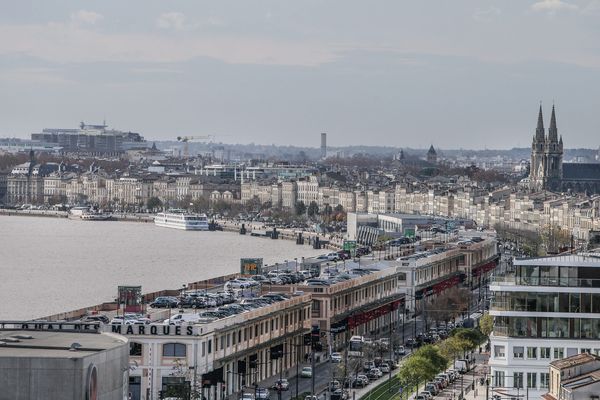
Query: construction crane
<point x="186" y="139"/>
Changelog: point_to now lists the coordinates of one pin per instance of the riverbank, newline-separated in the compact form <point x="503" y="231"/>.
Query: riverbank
<point x="328" y="241"/>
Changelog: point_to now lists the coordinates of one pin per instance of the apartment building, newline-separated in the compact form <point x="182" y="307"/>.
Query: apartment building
<point x="547" y="310"/>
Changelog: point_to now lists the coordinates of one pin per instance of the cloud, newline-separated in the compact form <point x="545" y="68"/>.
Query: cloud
<point x="592" y="8"/>
<point x="83" y="17"/>
<point x="486" y="15"/>
<point x="64" y="43"/>
<point x="171" y="20"/>
<point x="177" y="21"/>
<point x="553" y="6"/>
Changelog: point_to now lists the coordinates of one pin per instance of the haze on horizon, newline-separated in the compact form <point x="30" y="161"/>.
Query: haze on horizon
<point x="460" y="74"/>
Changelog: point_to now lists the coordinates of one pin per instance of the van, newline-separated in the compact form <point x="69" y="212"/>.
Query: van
<point x="461" y="366"/>
<point x="180" y="319"/>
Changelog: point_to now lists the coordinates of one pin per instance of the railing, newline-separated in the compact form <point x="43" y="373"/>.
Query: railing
<point x="511" y="280"/>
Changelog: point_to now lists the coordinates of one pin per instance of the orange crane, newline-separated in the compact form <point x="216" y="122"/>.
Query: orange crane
<point x="186" y="139"/>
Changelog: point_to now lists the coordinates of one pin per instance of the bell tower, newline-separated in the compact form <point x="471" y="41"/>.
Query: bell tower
<point x="537" y="166"/>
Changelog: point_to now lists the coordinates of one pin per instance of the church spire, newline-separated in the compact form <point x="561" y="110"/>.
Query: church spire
<point x="553" y="131"/>
<point x="539" y="131"/>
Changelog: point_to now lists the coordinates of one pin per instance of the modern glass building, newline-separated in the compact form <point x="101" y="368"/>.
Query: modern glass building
<point x="547" y="309"/>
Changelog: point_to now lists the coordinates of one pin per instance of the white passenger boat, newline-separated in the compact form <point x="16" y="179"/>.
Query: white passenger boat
<point x="180" y="219"/>
<point x="95" y="216"/>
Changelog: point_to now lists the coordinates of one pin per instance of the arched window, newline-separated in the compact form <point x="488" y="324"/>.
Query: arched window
<point x="174" y="350"/>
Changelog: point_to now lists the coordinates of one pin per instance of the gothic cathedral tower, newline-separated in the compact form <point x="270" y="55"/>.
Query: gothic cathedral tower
<point x="546" y="156"/>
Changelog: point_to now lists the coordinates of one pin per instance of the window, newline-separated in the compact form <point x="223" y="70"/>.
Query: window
<point x="532" y="352"/>
<point x="531" y="380"/>
<point x="589" y="351"/>
<point x="135" y="349"/>
<point x="499" y="378"/>
<point x="544" y="380"/>
<point x="518" y="380"/>
<point x="499" y="352"/>
<point x="559" y="353"/>
<point x="544" y="352"/>
<point x="203" y="349"/>
<point x="518" y="352"/>
<point x="209" y="346"/>
<point x="174" y="350"/>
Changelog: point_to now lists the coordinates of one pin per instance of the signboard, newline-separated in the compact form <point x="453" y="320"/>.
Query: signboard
<point x="350" y="245"/>
<point x="251" y="266"/>
<point x="131" y="298"/>
<point x="409" y="232"/>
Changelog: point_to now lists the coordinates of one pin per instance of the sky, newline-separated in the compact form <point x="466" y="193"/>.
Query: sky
<point x="455" y="74"/>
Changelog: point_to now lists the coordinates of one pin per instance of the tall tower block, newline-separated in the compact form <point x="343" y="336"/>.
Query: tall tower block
<point x="323" y="145"/>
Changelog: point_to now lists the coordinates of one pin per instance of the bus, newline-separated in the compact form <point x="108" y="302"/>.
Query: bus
<point x="356" y="346"/>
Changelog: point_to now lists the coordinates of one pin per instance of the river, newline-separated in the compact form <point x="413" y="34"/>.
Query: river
<point x="51" y="265"/>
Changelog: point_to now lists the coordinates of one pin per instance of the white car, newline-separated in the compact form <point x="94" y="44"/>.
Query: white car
<point x="236" y="284"/>
<point x="336" y="357"/>
<point x="121" y="321"/>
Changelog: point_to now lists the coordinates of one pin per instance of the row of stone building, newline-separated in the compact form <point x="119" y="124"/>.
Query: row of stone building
<point x="23" y="186"/>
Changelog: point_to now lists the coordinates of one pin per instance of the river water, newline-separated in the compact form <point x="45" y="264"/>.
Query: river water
<point x="51" y="265"/>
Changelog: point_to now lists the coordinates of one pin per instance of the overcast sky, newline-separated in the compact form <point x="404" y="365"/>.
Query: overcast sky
<point x="453" y="74"/>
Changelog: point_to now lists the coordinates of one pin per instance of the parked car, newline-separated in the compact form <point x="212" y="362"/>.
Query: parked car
<point x="384" y="368"/>
<point x="400" y="350"/>
<point x="336" y="357"/>
<point x="306" y="372"/>
<point x="164" y="302"/>
<point x="247" y="396"/>
<point x="96" y="318"/>
<point x="281" y="384"/>
<point x="262" y="393"/>
<point x="427" y="395"/>
<point x="432" y="388"/>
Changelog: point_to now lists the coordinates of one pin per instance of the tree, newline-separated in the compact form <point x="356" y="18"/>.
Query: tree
<point x="417" y="369"/>
<point x="153" y="203"/>
<point x="473" y="336"/>
<point x="313" y="209"/>
<point x="433" y="354"/>
<point x="453" y="346"/>
<point x="300" y="208"/>
<point x="486" y="324"/>
<point x="339" y="208"/>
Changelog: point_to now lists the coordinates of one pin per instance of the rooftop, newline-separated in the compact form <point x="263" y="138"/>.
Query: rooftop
<point x="55" y="344"/>
<point x="578" y="359"/>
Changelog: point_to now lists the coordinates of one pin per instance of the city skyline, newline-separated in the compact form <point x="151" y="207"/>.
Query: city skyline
<point x="283" y="73"/>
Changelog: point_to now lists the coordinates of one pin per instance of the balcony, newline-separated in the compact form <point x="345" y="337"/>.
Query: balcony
<point x="512" y="280"/>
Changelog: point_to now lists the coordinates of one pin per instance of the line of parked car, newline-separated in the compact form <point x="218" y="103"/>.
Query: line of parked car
<point x="437" y="385"/>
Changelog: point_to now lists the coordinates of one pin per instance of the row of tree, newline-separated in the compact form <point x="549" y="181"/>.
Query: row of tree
<point x="428" y="361"/>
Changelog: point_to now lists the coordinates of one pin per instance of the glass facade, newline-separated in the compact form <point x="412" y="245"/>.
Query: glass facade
<point x="547" y="327"/>
<point x="546" y="302"/>
<point x="532" y="275"/>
